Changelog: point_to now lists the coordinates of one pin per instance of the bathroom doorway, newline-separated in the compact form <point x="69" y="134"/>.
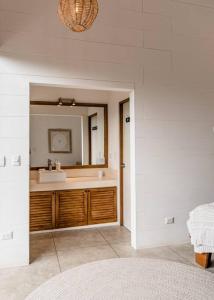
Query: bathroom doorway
<point x="98" y="149"/>
<point x="125" y="187"/>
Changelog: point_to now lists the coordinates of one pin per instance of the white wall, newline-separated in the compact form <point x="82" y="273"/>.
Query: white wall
<point x="39" y="140"/>
<point x="164" y="49"/>
<point x="53" y="93"/>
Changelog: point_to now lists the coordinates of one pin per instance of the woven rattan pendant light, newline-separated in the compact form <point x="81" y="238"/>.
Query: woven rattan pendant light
<point x="78" y="15"/>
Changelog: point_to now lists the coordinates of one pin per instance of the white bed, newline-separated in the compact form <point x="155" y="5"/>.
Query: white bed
<point x="201" y="230"/>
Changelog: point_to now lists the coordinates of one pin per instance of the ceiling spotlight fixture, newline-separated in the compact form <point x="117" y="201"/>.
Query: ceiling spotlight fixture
<point x="73" y="102"/>
<point x="60" y="102"/>
<point x="78" y="15"/>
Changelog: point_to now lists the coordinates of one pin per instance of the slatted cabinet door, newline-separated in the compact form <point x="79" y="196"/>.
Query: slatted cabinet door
<point x="71" y="208"/>
<point x="102" y="205"/>
<point x="42" y="211"/>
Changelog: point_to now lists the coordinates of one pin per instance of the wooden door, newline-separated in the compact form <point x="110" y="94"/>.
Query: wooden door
<point x="92" y="138"/>
<point x="42" y="211"/>
<point x="125" y="192"/>
<point x="102" y="205"/>
<point x="71" y="208"/>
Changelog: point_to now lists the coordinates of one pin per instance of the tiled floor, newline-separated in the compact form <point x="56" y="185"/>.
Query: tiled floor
<point x="54" y="253"/>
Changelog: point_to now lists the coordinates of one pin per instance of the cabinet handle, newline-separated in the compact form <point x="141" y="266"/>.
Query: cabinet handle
<point x="89" y="203"/>
<point x="85" y="203"/>
<point x="53" y="210"/>
<point x="57" y="209"/>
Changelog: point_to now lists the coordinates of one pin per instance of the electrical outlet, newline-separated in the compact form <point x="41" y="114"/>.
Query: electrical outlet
<point x="2" y="161"/>
<point x="16" y="160"/>
<point x="169" y="220"/>
<point x="6" y="236"/>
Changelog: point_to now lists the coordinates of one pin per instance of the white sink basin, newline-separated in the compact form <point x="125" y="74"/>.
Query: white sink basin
<point x="51" y="176"/>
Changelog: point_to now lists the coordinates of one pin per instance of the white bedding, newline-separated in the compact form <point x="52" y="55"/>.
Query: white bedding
<point x="201" y="228"/>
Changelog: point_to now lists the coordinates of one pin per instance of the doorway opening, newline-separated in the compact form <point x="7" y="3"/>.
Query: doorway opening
<point x="69" y="216"/>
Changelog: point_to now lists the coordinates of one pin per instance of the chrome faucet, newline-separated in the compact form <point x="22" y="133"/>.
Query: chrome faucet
<point x="50" y="166"/>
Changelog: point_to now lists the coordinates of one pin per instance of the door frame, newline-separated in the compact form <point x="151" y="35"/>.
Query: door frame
<point x="121" y="103"/>
<point x="94" y="85"/>
<point x="89" y="137"/>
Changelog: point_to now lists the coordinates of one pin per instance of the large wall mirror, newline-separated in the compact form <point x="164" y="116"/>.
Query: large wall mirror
<point x="76" y="134"/>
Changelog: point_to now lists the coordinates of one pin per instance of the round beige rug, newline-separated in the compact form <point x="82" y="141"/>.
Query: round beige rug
<point x="127" y="279"/>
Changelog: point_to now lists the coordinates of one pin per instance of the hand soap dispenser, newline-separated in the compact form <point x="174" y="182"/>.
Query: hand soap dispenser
<point x="58" y="165"/>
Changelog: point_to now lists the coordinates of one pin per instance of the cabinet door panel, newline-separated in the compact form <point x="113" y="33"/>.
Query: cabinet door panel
<point x="42" y="211"/>
<point x="71" y="208"/>
<point x="102" y="205"/>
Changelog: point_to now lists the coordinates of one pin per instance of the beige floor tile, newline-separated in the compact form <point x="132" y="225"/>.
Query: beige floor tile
<point x="115" y="234"/>
<point x="125" y="250"/>
<point x="75" y="233"/>
<point x="76" y="248"/>
<point x="161" y="253"/>
<point x="40" y="236"/>
<point x="17" y="283"/>
<point x="41" y="247"/>
<point x="78" y="256"/>
<point x="80" y="238"/>
<point x="185" y="251"/>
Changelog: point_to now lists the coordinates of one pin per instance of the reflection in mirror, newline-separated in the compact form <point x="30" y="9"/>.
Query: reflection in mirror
<point x="72" y="135"/>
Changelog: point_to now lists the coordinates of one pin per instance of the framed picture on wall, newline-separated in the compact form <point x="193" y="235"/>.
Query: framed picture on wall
<point x="59" y="140"/>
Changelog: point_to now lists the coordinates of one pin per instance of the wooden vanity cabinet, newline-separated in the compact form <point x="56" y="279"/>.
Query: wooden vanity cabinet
<point x="102" y="205"/>
<point x="42" y="211"/>
<point x="71" y="208"/>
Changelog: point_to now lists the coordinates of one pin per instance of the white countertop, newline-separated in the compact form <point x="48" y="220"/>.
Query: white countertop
<point x="73" y="183"/>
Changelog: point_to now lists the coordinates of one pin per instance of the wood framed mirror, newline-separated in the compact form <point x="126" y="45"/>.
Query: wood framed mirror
<point x="87" y="125"/>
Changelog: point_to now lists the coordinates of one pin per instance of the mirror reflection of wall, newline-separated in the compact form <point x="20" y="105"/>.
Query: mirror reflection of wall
<point x="86" y="135"/>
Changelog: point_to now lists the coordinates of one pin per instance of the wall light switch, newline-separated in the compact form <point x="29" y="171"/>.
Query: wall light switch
<point x="6" y="236"/>
<point x="16" y="161"/>
<point x="169" y="220"/>
<point x="2" y="161"/>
